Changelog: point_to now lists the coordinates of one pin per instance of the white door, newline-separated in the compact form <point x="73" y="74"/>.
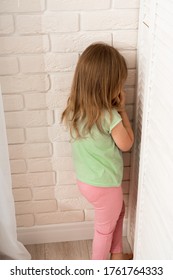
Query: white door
<point x="154" y="148"/>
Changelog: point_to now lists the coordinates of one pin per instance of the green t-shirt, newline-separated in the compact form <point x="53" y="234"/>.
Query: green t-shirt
<point x="97" y="159"/>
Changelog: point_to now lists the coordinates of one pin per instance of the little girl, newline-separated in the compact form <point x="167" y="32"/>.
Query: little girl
<point x="100" y="130"/>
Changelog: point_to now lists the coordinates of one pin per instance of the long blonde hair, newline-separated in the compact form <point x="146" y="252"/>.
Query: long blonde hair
<point x="98" y="80"/>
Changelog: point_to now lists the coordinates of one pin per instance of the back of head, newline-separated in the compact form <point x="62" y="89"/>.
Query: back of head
<point x="98" y="80"/>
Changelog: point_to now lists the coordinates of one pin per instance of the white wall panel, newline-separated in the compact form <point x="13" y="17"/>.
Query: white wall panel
<point x="154" y="223"/>
<point x="142" y="76"/>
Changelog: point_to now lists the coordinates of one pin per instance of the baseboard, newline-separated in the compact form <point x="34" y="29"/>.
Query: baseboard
<point x="55" y="233"/>
<point x="59" y="233"/>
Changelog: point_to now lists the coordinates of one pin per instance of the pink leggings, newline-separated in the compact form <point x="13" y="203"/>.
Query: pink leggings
<point x="109" y="213"/>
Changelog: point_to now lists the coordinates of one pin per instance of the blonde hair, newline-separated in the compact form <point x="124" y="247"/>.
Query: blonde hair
<point x="97" y="84"/>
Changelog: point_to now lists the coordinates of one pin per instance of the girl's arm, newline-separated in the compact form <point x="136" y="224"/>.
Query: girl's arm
<point x="122" y="133"/>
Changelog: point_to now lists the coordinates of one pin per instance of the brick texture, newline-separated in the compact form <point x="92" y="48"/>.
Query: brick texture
<point x="6" y="24"/>
<point x="8" y="65"/>
<point x="61" y="5"/>
<point x="18" y="6"/>
<point x="25" y="220"/>
<point x="24" y="44"/>
<point x="109" y="20"/>
<point x="50" y="22"/>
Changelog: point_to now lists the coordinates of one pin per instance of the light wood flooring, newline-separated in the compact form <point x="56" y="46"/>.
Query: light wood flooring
<point x="73" y="250"/>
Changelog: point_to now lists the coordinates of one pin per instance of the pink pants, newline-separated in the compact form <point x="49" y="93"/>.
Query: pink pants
<point x="109" y="213"/>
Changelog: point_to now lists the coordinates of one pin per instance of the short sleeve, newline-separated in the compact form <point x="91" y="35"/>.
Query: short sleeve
<point x="109" y="124"/>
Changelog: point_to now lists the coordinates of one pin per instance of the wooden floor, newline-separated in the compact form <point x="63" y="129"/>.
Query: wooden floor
<point x="74" y="250"/>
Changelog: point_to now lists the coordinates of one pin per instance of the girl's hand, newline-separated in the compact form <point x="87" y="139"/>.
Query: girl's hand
<point x="122" y="101"/>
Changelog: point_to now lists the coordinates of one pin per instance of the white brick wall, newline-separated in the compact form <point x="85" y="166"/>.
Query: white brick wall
<point x="25" y="220"/>
<point x="76" y="5"/>
<point x="13" y="103"/>
<point x="59" y="217"/>
<point x="40" y="42"/>
<point x="76" y="42"/>
<point x="110" y="19"/>
<point x="24" y="44"/>
<point x="6" y="24"/>
<point x="15" y="136"/>
<point x="124" y="4"/>
<point x="19" y="6"/>
<point x="8" y="65"/>
<point x="47" y="23"/>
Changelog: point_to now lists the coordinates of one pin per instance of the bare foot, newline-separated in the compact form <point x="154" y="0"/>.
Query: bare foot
<point x="121" y="256"/>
